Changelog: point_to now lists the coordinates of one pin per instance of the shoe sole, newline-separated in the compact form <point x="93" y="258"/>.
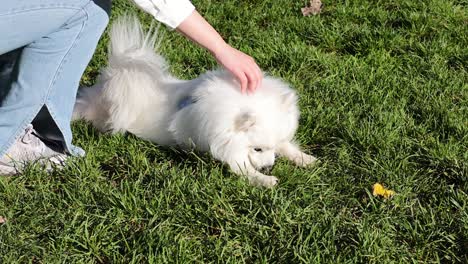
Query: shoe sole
<point x="7" y="170"/>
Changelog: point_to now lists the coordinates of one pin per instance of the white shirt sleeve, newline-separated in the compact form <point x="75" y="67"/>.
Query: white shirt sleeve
<point x="169" y="12"/>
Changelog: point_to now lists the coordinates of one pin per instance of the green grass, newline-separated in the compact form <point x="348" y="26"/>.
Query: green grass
<point x="383" y="91"/>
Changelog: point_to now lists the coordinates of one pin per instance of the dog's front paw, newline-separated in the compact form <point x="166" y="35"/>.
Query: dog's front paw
<point x="265" y="181"/>
<point x="305" y="160"/>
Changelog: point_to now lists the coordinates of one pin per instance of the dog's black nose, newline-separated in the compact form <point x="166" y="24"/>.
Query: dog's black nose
<point x="266" y="169"/>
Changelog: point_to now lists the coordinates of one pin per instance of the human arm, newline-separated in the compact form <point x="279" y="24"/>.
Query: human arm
<point x="241" y="65"/>
<point x="181" y="15"/>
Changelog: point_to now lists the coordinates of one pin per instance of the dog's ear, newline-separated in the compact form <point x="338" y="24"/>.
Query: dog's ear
<point x="289" y="99"/>
<point x="244" y="121"/>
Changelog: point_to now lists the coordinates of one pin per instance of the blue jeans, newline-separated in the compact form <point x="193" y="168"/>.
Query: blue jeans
<point x="59" y="38"/>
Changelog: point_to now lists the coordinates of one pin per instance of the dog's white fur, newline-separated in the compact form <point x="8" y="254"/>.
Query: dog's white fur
<point x="136" y="94"/>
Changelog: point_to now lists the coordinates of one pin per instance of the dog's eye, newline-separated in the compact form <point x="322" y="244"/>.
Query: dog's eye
<point x="258" y="149"/>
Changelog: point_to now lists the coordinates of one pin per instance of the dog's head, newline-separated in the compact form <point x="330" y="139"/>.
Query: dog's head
<point x="256" y="140"/>
<point x="262" y="122"/>
<point x="243" y="130"/>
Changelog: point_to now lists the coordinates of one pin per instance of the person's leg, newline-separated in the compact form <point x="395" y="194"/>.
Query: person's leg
<point x="59" y="39"/>
<point x="7" y="65"/>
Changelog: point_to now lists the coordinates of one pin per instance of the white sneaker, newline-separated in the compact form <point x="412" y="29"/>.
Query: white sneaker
<point x="29" y="148"/>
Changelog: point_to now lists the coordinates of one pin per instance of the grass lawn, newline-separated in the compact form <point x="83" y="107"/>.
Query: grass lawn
<point x="383" y="91"/>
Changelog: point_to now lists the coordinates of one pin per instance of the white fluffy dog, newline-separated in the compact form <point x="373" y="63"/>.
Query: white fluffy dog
<point x="136" y="94"/>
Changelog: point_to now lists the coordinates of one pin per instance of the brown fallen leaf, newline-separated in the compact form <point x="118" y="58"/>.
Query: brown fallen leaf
<point x="2" y="220"/>
<point x="314" y="8"/>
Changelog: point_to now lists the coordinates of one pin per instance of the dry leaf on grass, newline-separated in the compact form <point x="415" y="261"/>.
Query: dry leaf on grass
<point x="314" y="8"/>
<point x="2" y="220"/>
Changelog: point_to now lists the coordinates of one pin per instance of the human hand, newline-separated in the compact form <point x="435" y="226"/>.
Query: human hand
<point x="241" y="65"/>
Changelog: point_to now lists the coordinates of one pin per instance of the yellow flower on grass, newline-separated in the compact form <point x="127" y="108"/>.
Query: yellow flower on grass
<point x="379" y="190"/>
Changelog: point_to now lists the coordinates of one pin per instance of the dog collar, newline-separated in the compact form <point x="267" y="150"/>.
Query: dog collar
<point x="186" y="101"/>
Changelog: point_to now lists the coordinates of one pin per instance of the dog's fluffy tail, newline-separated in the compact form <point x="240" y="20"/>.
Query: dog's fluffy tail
<point x="131" y="46"/>
<point x="132" y="81"/>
